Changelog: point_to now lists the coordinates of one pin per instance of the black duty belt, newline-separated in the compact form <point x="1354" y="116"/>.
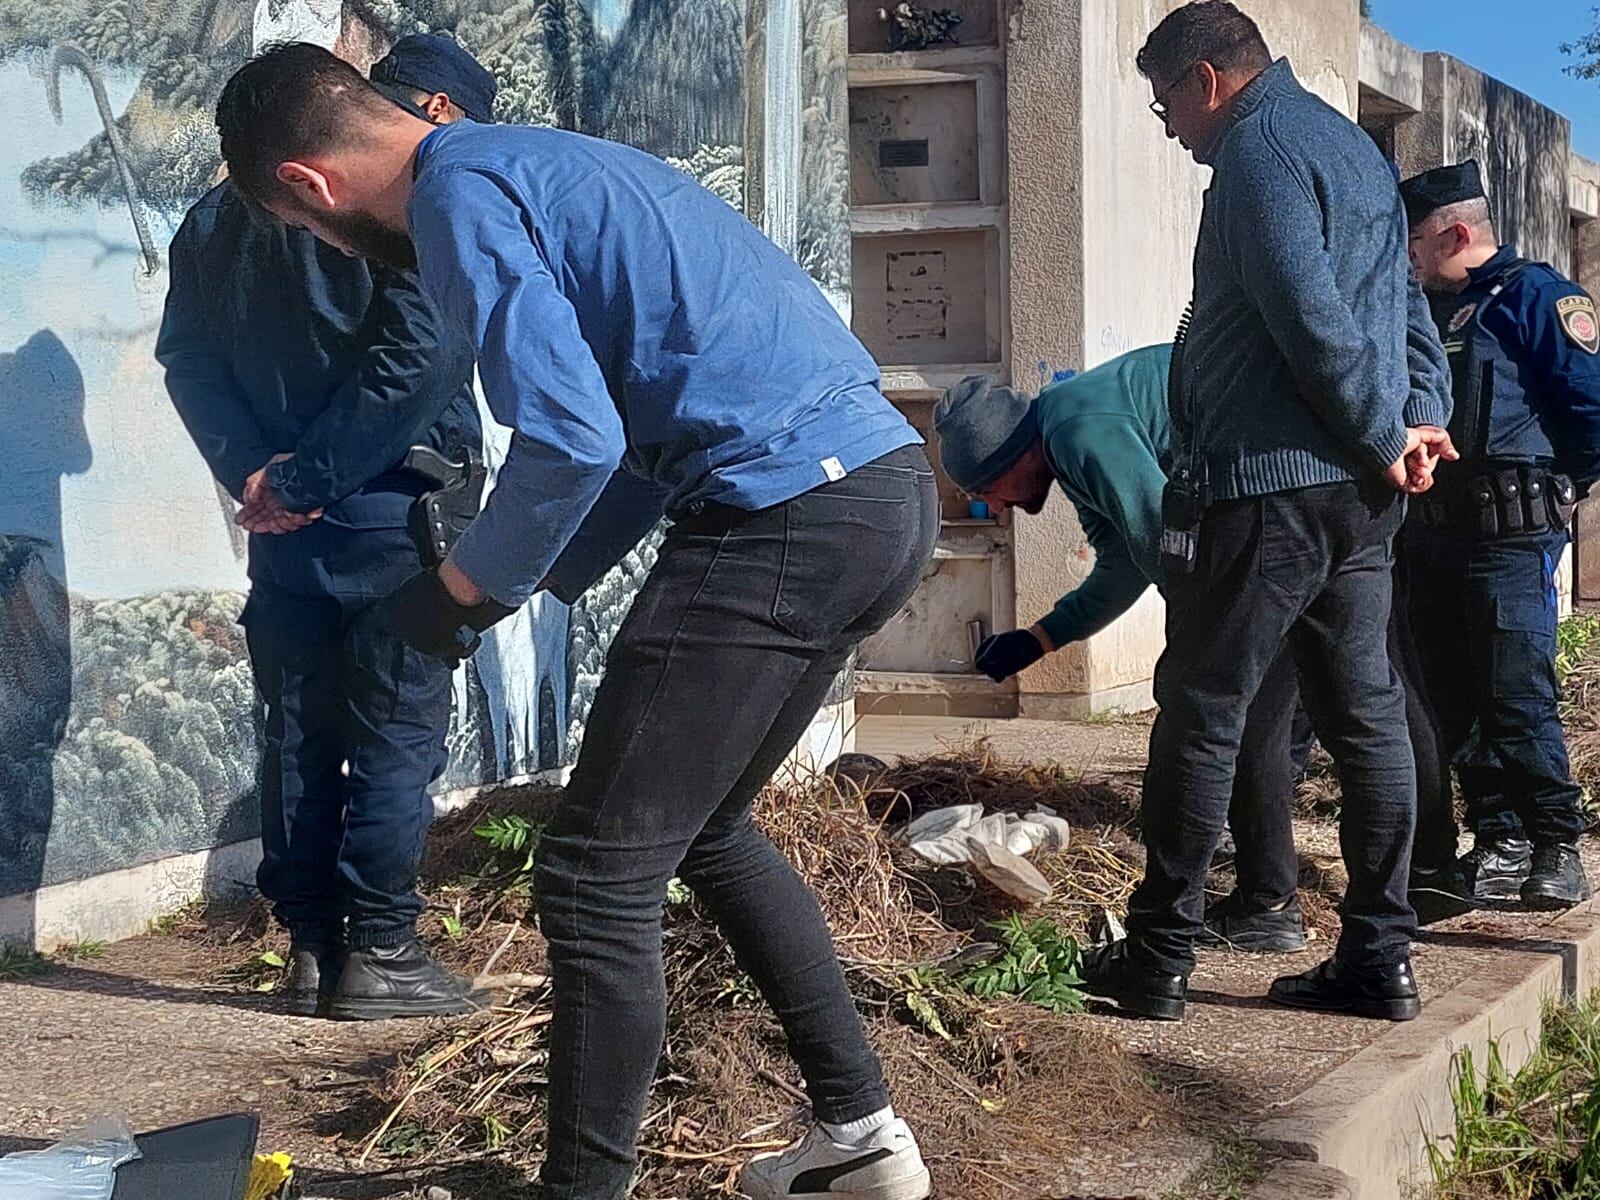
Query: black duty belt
<point x="1511" y="501"/>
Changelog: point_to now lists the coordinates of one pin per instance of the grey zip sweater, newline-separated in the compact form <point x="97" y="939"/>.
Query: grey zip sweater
<point x="1295" y="372"/>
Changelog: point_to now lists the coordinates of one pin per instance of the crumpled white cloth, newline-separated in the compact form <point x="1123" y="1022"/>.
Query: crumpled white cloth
<point x="995" y="846"/>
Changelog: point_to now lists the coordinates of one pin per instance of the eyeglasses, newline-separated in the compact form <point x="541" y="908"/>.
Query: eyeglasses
<point x="1162" y="104"/>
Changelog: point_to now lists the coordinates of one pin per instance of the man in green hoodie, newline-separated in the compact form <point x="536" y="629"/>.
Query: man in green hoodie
<point x="1103" y="437"/>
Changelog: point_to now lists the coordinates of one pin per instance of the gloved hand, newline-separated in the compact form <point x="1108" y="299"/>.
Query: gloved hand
<point x="1002" y="655"/>
<point x="429" y="619"/>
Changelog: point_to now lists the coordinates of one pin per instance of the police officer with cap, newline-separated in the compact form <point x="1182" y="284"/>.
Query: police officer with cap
<point x="329" y="398"/>
<point x="1478" y="555"/>
<point x="432" y="77"/>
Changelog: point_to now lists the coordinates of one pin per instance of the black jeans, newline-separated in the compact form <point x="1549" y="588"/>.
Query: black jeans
<point x="716" y="672"/>
<point x="1312" y="566"/>
<point x="1482" y="615"/>
<point x="1261" y="811"/>
<point x="355" y="733"/>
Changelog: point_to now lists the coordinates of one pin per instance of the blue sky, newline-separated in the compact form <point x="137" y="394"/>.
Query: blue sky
<point x="1517" y="41"/>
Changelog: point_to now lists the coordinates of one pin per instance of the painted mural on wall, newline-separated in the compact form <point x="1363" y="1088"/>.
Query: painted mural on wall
<point x="128" y="721"/>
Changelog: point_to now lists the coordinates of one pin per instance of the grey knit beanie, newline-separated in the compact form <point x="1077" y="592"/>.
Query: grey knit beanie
<point x="984" y="428"/>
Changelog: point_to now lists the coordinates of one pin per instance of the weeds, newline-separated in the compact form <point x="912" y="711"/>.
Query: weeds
<point x="1532" y="1134"/>
<point x="516" y="836"/>
<point x="18" y="963"/>
<point x="1040" y="965"/>
<point x="86" y="950"/>
<point x="1574" y="639"/>
<point x="1232" y="1171"/>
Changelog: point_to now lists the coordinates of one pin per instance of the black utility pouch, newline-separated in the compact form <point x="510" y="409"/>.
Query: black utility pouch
<point x="1536" y="502"/>
<point x="1562" y="495"/>
<point x="1485" y="506"/>
<point x="1508" y="490"/>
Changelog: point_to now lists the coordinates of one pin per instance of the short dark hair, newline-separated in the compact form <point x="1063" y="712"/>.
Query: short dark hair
<point x="1212" y="31"/>
<point x="292" y="100"/>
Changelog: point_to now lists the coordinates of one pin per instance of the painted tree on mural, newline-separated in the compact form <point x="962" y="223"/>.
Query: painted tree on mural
<point x="185" y="53"/>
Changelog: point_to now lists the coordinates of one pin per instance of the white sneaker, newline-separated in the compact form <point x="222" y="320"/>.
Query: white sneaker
<point x="885" y="1165"/>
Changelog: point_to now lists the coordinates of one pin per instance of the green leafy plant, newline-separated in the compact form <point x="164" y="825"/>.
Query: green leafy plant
<point x="1039" y="965"/>
<point x="678" y="892"/>
<point x="453" y="928"/>
<point x="516" y="836"/>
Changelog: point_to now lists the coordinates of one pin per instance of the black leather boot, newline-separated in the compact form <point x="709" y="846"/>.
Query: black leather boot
<point x="1438" y="893"/>
<point x="1387" y="993"/>
<point x="313" y="972"/>
<point x="379" y="982"/>
<point x="1111" y="973"/>
<point x="1235" y="923"/>
<point x="1495" y="871"/>
<point x="1557" y="879"/>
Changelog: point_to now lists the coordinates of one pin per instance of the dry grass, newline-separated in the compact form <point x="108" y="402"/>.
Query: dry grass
<point x="1010" y="1089"/>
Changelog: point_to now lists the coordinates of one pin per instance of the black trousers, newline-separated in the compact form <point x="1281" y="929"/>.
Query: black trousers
<point x="1261" y="809"/>
<point x="718" y="669"/>
<point x="1482" y="617"/>
<point x="1314" y="567"/>
<point x="355" y="726"/>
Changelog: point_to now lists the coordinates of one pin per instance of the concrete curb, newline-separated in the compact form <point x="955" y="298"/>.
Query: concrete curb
<point x="1304" y="1181"/>
<point x="1371" y="1117"/>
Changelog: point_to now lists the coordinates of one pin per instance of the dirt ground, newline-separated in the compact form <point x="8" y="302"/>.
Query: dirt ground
<point x="166" y="1028"/>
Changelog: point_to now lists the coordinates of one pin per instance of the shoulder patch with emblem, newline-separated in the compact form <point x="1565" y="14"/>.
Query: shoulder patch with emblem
<point x="1578" y="318"/>
<point x="1462" y="316"/>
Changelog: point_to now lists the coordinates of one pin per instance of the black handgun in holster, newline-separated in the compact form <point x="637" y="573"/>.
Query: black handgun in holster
<point x="1183" y="501"/>
<point x="440" y="516"/>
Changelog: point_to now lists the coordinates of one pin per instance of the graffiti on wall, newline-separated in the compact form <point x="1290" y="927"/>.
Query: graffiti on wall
<point x="128" y="722"/>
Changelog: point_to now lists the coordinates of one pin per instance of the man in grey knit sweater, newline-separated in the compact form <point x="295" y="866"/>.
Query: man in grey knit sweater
<point x="1296" y="431"/>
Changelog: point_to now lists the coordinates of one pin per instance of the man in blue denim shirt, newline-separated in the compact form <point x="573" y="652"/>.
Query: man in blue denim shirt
<point x="304" y="377"/>
<point x="624" y="317"/>
<point x="1295" y="430"/>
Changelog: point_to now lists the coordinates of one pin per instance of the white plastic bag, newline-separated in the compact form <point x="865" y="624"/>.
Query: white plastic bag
<point x="994" y="846"/>
<point x="82" y="1166"/>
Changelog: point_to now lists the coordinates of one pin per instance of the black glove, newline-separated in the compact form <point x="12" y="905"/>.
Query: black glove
<point x="1002" y="655"/>
<point x="429" y="619"/>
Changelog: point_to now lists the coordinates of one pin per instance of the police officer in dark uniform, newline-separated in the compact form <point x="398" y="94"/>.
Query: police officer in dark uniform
<point x="326" y="396"/>
<point x="1478" y="555"/>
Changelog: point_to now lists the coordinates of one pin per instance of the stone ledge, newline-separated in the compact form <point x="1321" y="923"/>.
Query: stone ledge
<point x="1371" y="1117"/>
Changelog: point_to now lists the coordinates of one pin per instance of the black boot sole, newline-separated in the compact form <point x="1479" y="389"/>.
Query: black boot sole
<point x="1255" y="943"/>
<point x="1539" y="900"/>
<point x="301" y="1004"/>
<point x="1432" y="907"/>
<point x="1355" y="1006"/>
<point x="347" y="1008"/>
<point x="1151" y="1008"/>
<point x="1498" y="889"/>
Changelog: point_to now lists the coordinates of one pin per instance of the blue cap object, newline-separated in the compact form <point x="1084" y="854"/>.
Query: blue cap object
<point x="983" y="429"/>
<point x="433" y="63"/>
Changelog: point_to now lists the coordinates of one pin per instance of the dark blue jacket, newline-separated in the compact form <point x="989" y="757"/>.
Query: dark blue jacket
<point x="1527" y="384"/>
<point x="274" y="342"/>
<point x="1298" y="370"/>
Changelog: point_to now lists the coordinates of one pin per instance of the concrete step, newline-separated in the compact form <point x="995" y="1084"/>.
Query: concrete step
<point x="1371" y="1118"/>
